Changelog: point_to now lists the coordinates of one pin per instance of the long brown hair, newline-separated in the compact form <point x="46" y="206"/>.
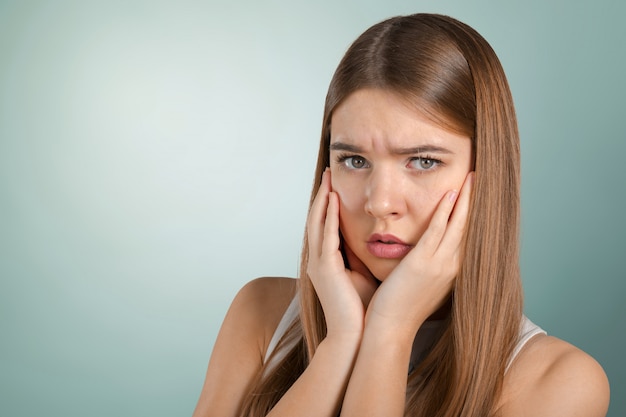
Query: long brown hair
<point x="453" y="77"/>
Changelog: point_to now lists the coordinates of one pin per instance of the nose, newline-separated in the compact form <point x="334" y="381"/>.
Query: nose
<point x="384" y="195"/>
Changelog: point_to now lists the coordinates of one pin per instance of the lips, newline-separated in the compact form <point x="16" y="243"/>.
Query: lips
<point x="387" y="246"/>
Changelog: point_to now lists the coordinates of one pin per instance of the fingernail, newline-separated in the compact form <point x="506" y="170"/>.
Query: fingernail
<point x="452" y="195"/>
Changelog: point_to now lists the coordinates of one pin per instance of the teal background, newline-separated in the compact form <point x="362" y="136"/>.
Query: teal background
<point x="155" y="156"/>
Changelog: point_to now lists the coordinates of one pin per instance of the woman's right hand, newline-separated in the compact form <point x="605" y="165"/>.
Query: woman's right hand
<point x="344" y="293"/>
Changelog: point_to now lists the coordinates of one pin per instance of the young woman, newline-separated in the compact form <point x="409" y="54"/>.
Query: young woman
<point x="409" y="300"/>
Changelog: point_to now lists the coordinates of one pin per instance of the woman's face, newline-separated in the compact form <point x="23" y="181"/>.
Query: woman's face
<point x="390" y="168"/>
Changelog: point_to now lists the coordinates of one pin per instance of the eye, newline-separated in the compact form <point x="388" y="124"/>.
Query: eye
<point x="424" y="163"/>
<point x="353" y="161"/>
<point x="356" y="162"/>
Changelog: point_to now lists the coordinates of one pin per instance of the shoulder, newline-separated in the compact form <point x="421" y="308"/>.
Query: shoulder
<point x="264" y="288"/>
<point x="266" y="293"/>
<point x="261" y="303"/>
<point x="241" y="343"/>
<point x="551" y="377"/>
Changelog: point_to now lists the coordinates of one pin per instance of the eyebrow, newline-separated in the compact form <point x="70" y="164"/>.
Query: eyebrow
<point x="341" y="146"/>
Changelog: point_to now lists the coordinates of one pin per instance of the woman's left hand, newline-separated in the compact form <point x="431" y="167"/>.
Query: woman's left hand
<point x="423" y="280"/>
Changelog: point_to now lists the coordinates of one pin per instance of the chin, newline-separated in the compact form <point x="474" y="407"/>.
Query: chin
<point x="381" y="272"/>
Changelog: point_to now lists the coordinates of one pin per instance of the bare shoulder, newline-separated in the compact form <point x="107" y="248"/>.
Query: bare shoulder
<point x="264" y="301"/>
<point x="267" y="288"/>
<point x="551" y="377"/>
<point x="258" y="307"/>
<point x="243" y="338"/>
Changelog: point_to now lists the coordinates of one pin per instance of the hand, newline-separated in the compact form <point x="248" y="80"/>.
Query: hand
<point x="342" y="291"/>
<point x="422" y="281"/>
<point x="365" y="287"/>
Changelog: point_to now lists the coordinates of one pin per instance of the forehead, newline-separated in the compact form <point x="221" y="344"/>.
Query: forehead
<point x="379" y="119"/>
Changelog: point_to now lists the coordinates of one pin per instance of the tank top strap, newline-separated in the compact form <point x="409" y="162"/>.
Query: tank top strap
<point x="288" y="318"/>
<point x="528" y="330"/>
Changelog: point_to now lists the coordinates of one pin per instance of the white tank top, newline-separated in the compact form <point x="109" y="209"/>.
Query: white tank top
<point x="423" y="340"/>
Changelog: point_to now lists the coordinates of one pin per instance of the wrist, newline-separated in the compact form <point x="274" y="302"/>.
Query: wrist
<point x="390" y="345"/>
<point x="343" y="339"/>
<point x="341" y="347"/>
<point x="392" y="331"/>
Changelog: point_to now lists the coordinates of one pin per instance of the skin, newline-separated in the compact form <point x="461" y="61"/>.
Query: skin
<point x="397" y="189"/>
<point x="386" y="184"/>
<point x="374" y="308"/>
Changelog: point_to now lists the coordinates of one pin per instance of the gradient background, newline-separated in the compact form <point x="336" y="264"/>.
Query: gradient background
<point x="155" y="156"/>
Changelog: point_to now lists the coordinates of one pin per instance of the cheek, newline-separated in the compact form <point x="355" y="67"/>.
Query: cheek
<point x="421" y="207"/>
<point x="351" y="195"/>
<point x="438" y="185"/>
<point x="423" y="200"/>
<point x="351" y="204"/>
<point x="422" y="193"/>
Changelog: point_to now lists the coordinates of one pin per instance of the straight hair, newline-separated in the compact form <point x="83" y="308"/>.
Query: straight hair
<point x="450" y="75"/>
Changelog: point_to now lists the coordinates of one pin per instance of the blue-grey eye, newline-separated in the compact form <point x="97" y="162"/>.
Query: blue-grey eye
<point x="356" y="162"/>
<point x="424" y="163"/>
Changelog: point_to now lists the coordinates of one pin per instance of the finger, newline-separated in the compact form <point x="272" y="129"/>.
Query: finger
<point x="330" y="244"/>
<point x="364" y="286"/>
<point x="433" y="235"/>
<point x="317" y="215"/>
<point x="362" y="279"/>
<point x="458" y="220"/>
<point x="355" y="264"/>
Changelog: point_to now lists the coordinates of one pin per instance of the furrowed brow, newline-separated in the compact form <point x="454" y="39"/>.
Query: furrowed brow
<point x="422" y="149"/>
<point x="346" y="147"/>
